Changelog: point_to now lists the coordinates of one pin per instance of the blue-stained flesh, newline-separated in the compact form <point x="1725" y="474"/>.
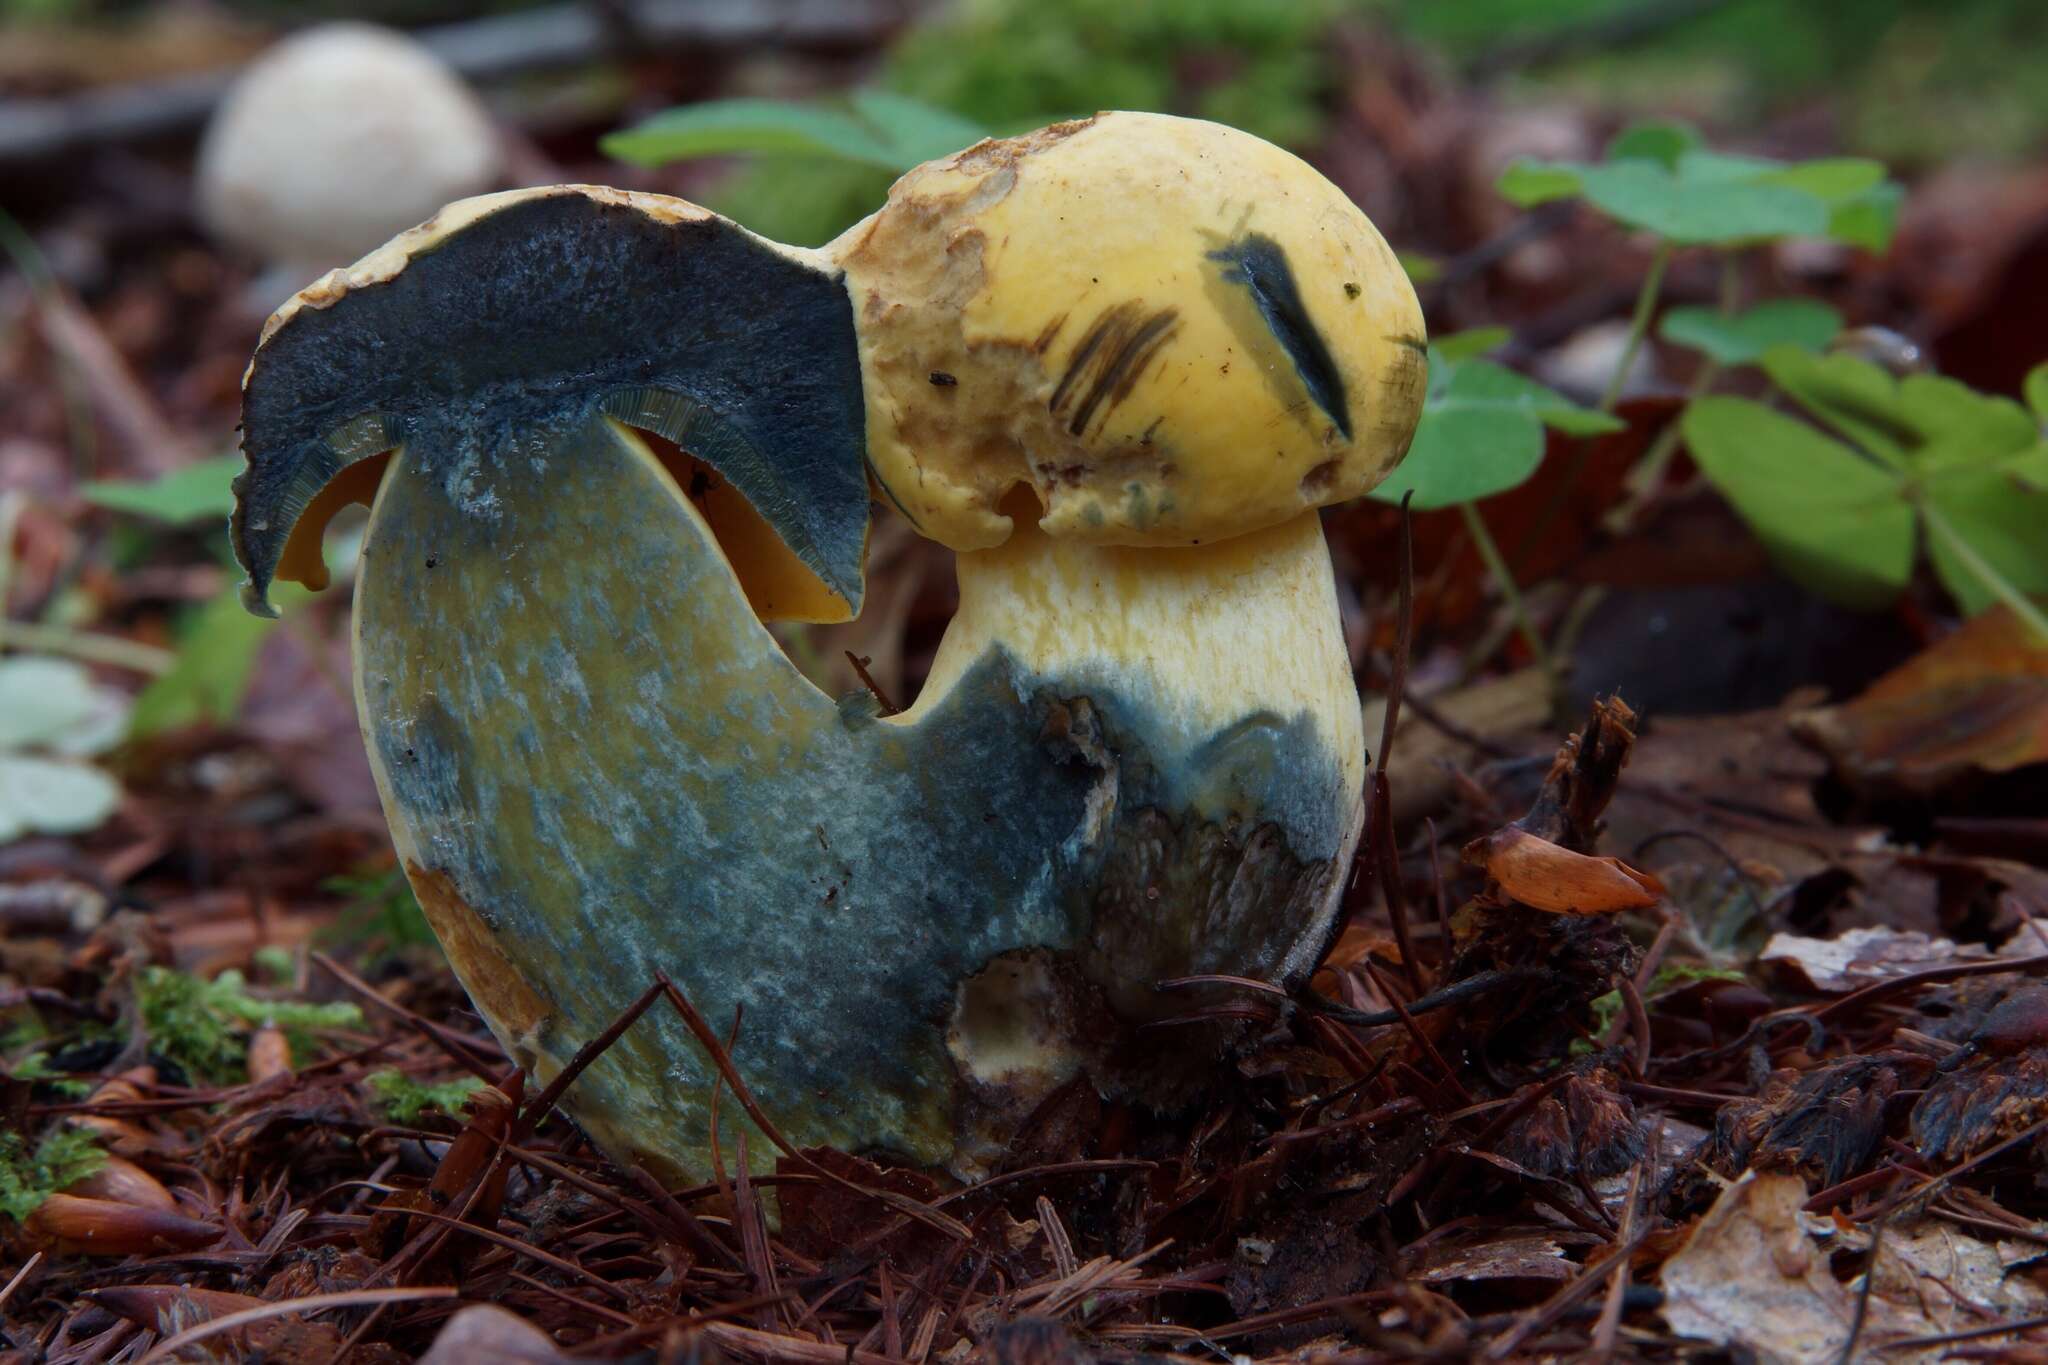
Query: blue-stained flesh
<point x="599" y="764"/>
<point x="545" y="310"/>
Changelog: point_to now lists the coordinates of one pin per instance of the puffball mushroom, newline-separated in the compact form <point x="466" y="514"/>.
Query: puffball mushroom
<point x="334" y="140"/>
<point x="1117" y="364"/>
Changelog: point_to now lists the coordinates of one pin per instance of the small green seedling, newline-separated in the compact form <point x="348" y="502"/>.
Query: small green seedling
<point x="1671" y="976"/>
<point x="214" y="666"/>
<point x="207" y="677"/>
<point x="210" y="673"/>
<point x="197" y="492"/>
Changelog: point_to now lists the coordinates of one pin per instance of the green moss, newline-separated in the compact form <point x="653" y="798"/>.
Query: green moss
<point x="36" y="1067"/>
<point x="404" y="1099"/>
<point x="275" y="962"/>
<point x="60" y="1160"/>
<point x="203" y="1025"/>
<point x="1672" y="975"/>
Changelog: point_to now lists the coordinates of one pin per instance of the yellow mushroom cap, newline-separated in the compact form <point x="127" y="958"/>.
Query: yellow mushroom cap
<point x="1172" y="331"/>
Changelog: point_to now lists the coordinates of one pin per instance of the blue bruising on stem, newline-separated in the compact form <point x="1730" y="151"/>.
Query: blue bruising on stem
<point x="620" y="772"/>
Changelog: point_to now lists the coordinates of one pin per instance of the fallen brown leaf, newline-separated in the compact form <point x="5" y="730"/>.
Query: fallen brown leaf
<point x="1752" y="1276"/>
<point x="1976" y="701"/>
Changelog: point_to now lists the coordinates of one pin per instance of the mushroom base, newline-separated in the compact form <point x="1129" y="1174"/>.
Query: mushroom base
<point x="597" y="764"/>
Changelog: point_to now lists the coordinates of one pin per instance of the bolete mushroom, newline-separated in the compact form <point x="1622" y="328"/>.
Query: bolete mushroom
<point x="1117" y="364"/>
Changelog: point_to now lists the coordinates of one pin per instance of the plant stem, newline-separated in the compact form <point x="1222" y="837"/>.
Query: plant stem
<point x="1643" y="479"/>
<point x="1984" y="571"/>
<point x="1638" y="324"/>
<point x="10" y="512"/>
<point x="21" y="248"/>
<point x="96" y="649"/>
<point x="1511" y="593"/>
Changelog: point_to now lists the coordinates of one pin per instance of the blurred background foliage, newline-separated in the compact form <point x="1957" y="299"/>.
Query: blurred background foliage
<point x="1912" y="82"/>
<point x="1012" y="65"/>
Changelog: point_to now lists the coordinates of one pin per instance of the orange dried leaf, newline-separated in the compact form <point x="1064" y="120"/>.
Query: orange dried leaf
<point x="1545" y="876"/>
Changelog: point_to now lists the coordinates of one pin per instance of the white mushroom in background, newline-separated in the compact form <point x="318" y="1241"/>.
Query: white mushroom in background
<point x="333" y="141"/>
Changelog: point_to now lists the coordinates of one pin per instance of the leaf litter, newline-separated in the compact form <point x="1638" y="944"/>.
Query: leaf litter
<point x="1456" y="1147"/>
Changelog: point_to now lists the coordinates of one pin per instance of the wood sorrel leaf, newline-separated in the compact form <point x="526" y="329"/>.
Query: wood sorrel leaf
<point x="1925" y="422"/>
<point x="1458" y="347"/>
<point x="1702" y="209"/>
<point x="1658" y="141"/>
<point x="2002" y="521"/>
<point x="1482" y="432"/>
<point x="1529" y="182"/>
<point x="1742" y="338"/>
<point x="1657" y="178"/>
<point x="2037" y="392"/>
<point x="1854" y="397"/>
<point x="1833" y="520"/>
<point x="199" y="491"/>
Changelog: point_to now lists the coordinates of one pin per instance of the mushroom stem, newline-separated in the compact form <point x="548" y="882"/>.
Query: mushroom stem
<point x="1213" y="633"/>
<point x="1222" y="687"/>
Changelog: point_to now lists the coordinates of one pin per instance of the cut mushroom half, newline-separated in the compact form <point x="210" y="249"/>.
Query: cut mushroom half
<point x="622" y="433"/>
